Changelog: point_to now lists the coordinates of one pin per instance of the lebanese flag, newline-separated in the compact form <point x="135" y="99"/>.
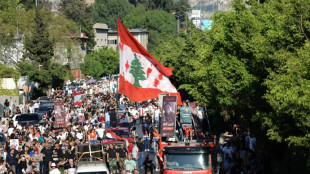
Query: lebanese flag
<point x="78" y="97"/>
<point x="142" y="77"/>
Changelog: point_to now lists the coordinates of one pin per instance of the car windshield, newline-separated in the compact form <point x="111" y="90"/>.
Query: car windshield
<point x="43" y="109"/>
<point x="92" y="173"/>
<point x="122" y="133"/>
<point x="190" y="161"/>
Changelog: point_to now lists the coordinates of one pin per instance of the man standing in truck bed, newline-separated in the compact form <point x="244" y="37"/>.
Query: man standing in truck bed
<point x="112" y="158"/>
<point x="122" y="156"/>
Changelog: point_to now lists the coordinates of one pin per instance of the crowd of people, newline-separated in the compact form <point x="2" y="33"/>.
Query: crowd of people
<point x="236" y="153"/>
<point x="45" y="148"/>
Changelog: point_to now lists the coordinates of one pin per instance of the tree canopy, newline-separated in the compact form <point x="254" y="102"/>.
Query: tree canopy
<point x="79" y="12"/>
<point x="157" y="22"/>
<point x="38" y="46"/>
<point x="108" y="11"/>
<point x="253" y="67"/>
<point x="103" y="61"/>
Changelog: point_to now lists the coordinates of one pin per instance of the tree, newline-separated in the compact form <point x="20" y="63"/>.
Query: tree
<point x="108" y="11"/>
<point x="31" y="4"/>
<point x="157" y="22"/>
<point x="38" y="46"/>
<point x="79" y="12"/>
<point x="252" y="67"/>
<point x="181" y="8"/>
<point x="39" y="49"/>
<point x="8" y="72"/>
<point x="75" y="10"/>
<point x="100" y="62"/>
<point x="166" y="5"/>
<point x="137" y="71"/>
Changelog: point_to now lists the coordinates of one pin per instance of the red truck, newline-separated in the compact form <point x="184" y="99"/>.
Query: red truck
<point x="184" y="158"/>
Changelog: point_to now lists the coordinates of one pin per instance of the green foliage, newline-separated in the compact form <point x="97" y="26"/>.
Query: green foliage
<point x="79" y="12"/>
<point x="288" y="91"/>
<point x="70" y="75"/>
<point x="252" y="66"/>
<point x="12" y="13"/>
<point x="75" y="10"/>
<point x="137" y="71"/>
<point x="38" y="46"/>
<point x="9" y="92"/>
<point x="102" y="61"/>
<point x="157" y="22"/>
<point x="108" y="11"/>
<point x="181" y="8"/>
<point x="8" y="72"/>
<point x="166" y="5"/>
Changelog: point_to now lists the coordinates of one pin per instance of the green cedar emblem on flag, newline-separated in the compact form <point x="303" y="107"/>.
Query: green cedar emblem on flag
<point x="137" y="71"/>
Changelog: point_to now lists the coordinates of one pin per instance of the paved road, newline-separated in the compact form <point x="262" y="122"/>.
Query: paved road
<point x="140" y="135"/>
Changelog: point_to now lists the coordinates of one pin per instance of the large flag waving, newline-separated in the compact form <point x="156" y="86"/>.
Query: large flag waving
<point x="78" y="97"/>
<point x="142" y="77"/>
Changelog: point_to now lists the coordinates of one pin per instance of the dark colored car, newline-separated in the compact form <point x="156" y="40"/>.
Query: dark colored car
<point x="44" y="98"/>
<point x="33" y="118"/>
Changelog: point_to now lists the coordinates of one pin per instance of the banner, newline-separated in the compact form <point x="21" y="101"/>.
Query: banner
<point x="169" y="115"/>
<point x="185" y="115"/>
<point x="60" y="116"/>
<point x="160" y="99"/>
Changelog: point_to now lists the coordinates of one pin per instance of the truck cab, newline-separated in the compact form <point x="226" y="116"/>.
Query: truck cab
<point x="91" y="159"/>
<point x="181" y="158"/>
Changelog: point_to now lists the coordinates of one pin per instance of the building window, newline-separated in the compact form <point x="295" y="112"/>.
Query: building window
<point x="112" y="42"/>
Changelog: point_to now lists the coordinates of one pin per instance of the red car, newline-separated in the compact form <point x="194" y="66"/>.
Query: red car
<point x="117" y="136"/>
<point x="122" y="132"/>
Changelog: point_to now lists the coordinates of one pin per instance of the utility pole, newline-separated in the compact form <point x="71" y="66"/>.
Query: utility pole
<point x="178" y="27"/>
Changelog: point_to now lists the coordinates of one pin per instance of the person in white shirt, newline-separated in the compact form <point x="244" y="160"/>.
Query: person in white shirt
<point x="86" y="126"/>
<point x="100" y="131"/>
<point x="10" y="131"/>
<point x="54" y="170"/>
<point x="79" y="135"/>
<point x="42" y="129"/>
<point x="156" y="115"/>
<point x="135" y="152"/>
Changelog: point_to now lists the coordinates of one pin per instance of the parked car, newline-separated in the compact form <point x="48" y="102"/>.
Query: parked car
<point x="122" y="132"/>
<point x="112" y="138"/>
<point x="43" y="109"/>
<point x="44" y="98"/>
<point x="33" y="118"/>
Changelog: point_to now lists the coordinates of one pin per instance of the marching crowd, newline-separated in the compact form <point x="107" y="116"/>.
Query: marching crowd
<point x="34" y="149"/>
<point x="46" y="149"/>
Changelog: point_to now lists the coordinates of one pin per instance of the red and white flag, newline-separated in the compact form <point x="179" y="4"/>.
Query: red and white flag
<point x="78" y="97"/>
<point x="142" y="77"/>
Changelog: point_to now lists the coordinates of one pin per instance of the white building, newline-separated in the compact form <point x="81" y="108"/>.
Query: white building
<point x="107" y="37"/>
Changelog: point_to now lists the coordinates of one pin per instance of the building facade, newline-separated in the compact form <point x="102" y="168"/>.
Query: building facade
<point x="107" y="37"/>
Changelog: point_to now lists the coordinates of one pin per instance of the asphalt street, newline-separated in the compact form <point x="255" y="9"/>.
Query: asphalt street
<point x="152" y="154"/>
